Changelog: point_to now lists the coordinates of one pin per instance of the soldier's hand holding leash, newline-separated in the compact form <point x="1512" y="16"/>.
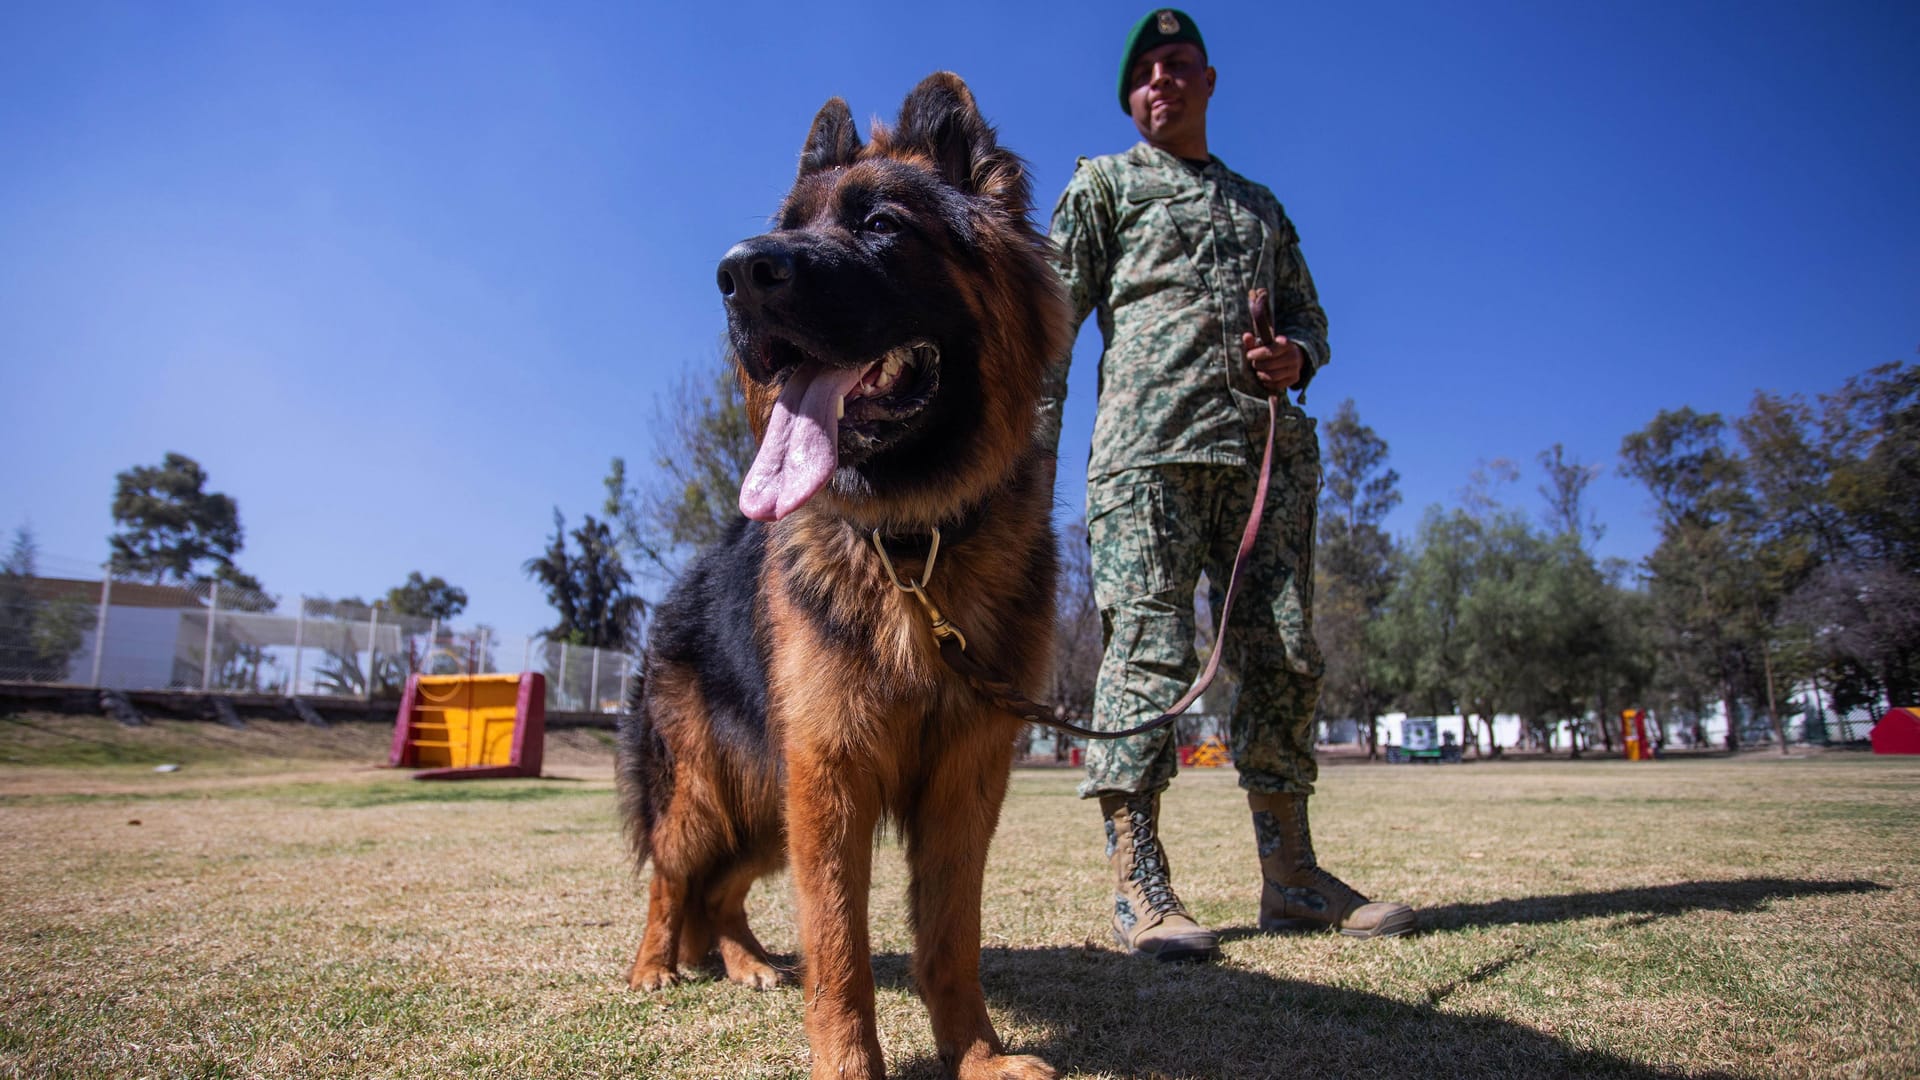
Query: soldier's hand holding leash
<point x="1276" y="362"/>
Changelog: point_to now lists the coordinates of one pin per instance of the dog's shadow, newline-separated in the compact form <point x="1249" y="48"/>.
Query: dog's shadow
<point x="1111" y="1014"/>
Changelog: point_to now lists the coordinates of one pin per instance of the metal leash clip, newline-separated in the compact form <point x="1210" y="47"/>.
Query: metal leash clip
<point x="942" y="629"/>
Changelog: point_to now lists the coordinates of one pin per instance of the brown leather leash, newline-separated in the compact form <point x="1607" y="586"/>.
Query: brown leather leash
<point x="953" y="642"/>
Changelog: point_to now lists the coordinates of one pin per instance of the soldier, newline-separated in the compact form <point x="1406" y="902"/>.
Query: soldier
<point x="1164" y="242"/>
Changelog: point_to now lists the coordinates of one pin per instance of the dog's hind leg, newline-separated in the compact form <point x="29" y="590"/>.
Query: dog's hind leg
<point x="747" y="963"/>
<point x="947" y="835"/>
<point x="696" y="930"/>
<point x="654" y="965"/>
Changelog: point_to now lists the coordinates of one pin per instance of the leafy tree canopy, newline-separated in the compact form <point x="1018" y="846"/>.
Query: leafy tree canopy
<point x="172" y="530"/>
<point x="426" y="598"/>
<point x="704" y="445"/>
<point x="38" y="635"/>
<point x="588" y="586"/>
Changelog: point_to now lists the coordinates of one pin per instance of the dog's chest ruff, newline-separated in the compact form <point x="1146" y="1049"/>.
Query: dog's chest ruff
<point x="862" y="618"/>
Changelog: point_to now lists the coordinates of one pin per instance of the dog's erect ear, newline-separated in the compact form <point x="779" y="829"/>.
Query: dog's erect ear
<point x="940" y="118"/>
<point x="833" y="141"/>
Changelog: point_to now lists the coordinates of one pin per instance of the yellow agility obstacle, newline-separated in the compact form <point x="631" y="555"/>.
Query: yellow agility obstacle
<point x="1210" y="754"/>
<point x="464" y="727"/>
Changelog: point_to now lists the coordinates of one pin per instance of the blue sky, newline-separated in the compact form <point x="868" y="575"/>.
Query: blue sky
<point x="404" y="277"/>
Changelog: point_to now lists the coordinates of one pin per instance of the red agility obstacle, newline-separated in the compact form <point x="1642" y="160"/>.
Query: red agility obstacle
<point x="1898" y="732"/>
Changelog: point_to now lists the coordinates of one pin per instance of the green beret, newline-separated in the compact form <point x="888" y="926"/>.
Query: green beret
<point x="1156" y="28"/>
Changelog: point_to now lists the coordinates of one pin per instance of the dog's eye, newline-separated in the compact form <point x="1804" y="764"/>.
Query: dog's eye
<point x="884" y="224"/>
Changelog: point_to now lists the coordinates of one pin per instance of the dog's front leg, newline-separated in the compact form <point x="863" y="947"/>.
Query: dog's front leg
<point x="947" y="837"/>
<point x="832" y="806"/>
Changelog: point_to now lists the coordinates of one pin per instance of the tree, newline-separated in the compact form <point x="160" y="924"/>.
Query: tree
<point x="426" y="598"/>
<point x="171" y="527"/>
<point x="1565" y="492"/>
<point x="1857" y="609"/>
<point x="1422" y="647"/>
<point x="1702" y="573"/>
<point x="19" y="608"/>
<point x="1077" y="642"/>
<point x="1603" y="654"/>
<point x="38" y="636"/>
<point x="703" y="447"/>
<point x="1491" y="616"/>
<point x="589" y="590"/>
<point x="1794" y="530"/>
<point x="1623" y="671"/>
<point x="1526" y="629"/>
<point x="1354" y="569"/>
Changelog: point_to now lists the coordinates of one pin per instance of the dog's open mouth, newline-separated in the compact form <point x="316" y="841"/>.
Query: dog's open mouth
<point x="892" y="388"/>
<point x="828" y="414"/>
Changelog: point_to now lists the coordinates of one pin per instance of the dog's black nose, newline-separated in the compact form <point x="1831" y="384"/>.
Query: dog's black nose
<point x="755" y="268"/>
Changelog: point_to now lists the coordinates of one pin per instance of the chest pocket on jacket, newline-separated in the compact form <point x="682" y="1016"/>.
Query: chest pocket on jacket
<point x="1163" y="229"/>
<point x="1272" y="237"/>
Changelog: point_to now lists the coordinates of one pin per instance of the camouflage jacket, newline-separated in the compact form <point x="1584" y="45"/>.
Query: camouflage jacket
<point x="1166" y="252"/>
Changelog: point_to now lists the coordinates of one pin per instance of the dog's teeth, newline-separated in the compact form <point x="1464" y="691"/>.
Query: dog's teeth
<point x="840" y="409"/>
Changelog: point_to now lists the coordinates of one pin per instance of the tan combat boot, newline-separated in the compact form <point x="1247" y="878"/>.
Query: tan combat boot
<point x="1298" y="894"/>
<point x="1148" y="919"/>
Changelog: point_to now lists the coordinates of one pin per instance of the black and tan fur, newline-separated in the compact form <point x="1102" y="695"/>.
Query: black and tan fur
<point x="794" y="698"/>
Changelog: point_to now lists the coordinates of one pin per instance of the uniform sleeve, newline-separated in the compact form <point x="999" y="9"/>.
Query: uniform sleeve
<point x="1082" y="235"/>
<point x="1296" y="307"/>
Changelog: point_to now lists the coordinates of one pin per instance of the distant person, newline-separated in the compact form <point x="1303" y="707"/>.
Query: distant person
<point x="1164" y="241"/>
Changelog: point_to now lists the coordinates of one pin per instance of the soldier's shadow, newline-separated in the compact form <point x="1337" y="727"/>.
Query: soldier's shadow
<point x="1646" y="903"/>
<point x="1116" y="1015"/>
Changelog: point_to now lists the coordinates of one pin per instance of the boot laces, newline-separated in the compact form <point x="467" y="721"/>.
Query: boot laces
<point x="1150" y="866"/>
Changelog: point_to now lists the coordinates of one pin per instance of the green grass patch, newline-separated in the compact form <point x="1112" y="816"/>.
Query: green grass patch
<point x="396" y="792"/>
<point x="1705" y="918"/>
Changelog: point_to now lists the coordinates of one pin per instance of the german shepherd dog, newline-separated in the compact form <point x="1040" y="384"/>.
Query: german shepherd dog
<point x="890" y="335"/>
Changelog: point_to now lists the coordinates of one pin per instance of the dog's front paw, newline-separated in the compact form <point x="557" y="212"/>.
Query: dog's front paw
<point x="754" y="975"/>
<point x="1007" y="1067"/>
<point x="651" y="977"/>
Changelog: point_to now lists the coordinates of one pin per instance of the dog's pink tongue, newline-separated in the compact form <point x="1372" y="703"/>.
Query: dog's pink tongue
<point x="802" y="444"/>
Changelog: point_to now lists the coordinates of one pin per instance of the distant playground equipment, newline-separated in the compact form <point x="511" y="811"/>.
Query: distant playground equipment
<point x="1898" y="732"/>
<point x="471" y="727"/>
<point x="1420" y="741"/>
<point x="1633" y="735"/>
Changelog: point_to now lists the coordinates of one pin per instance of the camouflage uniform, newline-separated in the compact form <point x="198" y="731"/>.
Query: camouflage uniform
<point x="1165" y="251"/>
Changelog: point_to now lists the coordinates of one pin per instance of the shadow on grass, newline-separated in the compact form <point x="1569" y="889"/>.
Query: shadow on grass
<point x="1112" y="1014"/>
<point x="1108" y="1013"/>
<point x="1654" y="901"/>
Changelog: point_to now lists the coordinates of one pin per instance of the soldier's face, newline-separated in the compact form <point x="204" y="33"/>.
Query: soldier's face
<point x="1171" y="85"/>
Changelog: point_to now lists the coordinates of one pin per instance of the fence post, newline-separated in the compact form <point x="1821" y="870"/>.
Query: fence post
<point x="299" y="641"/>
<point x="206" y="653"/>
<point x="373" y="645"/>
<point x="100" y="631"/>
<point x="593" y="684"/>
<point x="560" y="680"/>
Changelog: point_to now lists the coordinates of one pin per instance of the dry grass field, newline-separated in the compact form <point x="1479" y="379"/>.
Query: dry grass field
<point x="279" y="908"/>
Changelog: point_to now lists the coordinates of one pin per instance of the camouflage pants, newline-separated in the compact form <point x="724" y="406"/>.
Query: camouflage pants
<point x="1153" y="530"/>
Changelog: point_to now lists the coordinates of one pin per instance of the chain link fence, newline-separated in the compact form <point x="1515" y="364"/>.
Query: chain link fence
<point x="216" y="638"/>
